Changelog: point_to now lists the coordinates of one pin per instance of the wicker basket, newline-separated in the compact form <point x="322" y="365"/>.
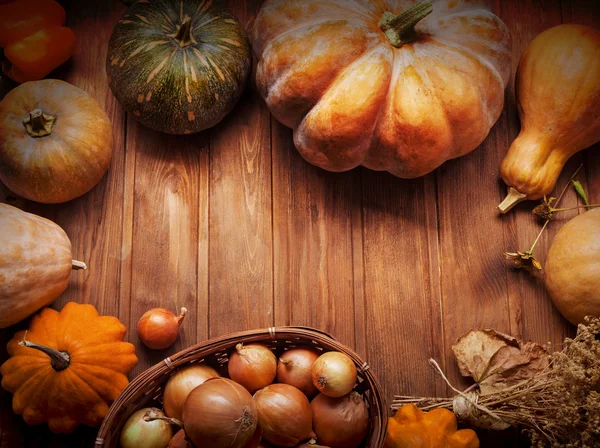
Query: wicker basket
<point x="147" y="388"/>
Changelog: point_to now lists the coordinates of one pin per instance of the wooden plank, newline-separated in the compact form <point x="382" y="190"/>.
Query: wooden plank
<point x="532" y="313"/>
<point x="165" y="230"/>
<point x="404" y="326"/>
<point x="313" y="222"/>
<point x="240" y="253"/>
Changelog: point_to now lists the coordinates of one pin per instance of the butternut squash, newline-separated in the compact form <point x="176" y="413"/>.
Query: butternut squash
<point x="558" y="89"/>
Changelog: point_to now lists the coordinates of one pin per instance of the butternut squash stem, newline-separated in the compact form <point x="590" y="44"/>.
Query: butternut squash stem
<point x="58" y="360"/>
<point x="512" y="198"/>
<point x="77" y="265"/>
<point x="400" y="29"/>
<point x="152" y="415"/>
<point x="38" y="124"/>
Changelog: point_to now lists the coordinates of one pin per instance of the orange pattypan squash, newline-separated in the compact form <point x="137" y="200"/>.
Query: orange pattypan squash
<point x="413" y="428"/>
<point x="68" y="367"/>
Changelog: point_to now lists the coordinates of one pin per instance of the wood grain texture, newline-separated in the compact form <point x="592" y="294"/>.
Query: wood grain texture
<point x="236" y="226"/>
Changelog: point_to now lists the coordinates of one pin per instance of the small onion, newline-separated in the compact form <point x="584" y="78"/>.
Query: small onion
<point x="181" y="384"/>
<point x="158" y="328"/>
<point x="295" y="368"/>
<point x="334" y="374"/>
<point x="254" y="366"/>
<point x="180" y="440"/>
<point x="138" y="432"/>
<point x="220" y="414"/>
<point x="284" y="414"/>
<point x="340" y="422"/>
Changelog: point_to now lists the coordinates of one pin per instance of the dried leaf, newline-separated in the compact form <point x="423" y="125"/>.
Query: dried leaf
<point x="545" y="211"/>
<point x="496" y="361"/>
<point x="524" y="260"/>
<point x="580" y="191"/>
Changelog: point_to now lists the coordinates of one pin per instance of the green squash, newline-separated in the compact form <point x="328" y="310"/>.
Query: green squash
<point x="178" y="66"/>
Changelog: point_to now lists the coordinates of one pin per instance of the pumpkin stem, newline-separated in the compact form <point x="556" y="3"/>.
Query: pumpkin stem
<point x="512" y="198"/>
<point x="400" y="29"/>
<point x="59" y="360"/>
<point x="77" y="265"/>
<point x="38" y="124"/>
<point x="184" y="34"/>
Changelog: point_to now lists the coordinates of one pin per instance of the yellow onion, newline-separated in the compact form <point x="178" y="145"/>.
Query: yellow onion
<point x="253" y="366"/>
<point x="183" y="381"/>
<point x="219" y="414"/>
<point x="340" y="422"/>
<point x="180" y="440"/>
<point x="158" y="328"/>
<point x="138" y="432"/>
<point x="255" y="440"/>
<point x="334" y="374"/>
<point x="284" y="415"/>
<point x="295" y="368"/>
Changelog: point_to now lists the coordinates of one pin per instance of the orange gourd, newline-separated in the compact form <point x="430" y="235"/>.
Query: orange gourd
<point x="412" y="428"/>
<point x="68" y="367"/>
<point x="573" y="268"/>
<point x="558" y="92"/>
<point x="395" y="86"/>
<point x="35" y="263"/>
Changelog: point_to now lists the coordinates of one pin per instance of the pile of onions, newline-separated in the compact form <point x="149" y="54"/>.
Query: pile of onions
<point x="295" y="368"/>
<point x="158" y="328"/>
<point x="139" y="432"/>
<point x="284" y="415"/>
<point x="340" y="422"/>
<point x="180" y="440"/>
<point x="253" y="366"/>
<point x="334" y="374"/>
<point x="220" y="414"/>
<point x="181" y="384"/>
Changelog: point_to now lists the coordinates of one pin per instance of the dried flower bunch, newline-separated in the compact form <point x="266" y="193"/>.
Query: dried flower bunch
<point x="555" y="398"/>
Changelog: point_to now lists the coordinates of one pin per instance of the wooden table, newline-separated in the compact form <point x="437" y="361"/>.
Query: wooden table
<point x="234" y="225"/>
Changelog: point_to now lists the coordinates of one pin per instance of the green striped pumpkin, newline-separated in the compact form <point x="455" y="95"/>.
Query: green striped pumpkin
<point x="178" y="66"/>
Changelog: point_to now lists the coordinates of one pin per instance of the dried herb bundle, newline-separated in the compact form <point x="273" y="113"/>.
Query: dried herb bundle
<point x="555" y="398"/>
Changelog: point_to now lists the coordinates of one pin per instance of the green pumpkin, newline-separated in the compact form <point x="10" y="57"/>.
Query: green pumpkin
<point x="178" y="66"/>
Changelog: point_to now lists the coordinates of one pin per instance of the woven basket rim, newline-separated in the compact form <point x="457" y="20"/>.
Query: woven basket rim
<point x="214" y="345"/>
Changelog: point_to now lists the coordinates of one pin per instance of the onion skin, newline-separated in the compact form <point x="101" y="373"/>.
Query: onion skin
<point x="158" y="328"/>
<point x="284" y="415"/>
<point x="137" y="432"/>
<point x="181" y="384"/>
<point x="255" y="440"/>
<point x="295" y="368"/>
<point x="220" y="414"/>
<point x="340" y="422"/>
<point x="180" y="440"/>
<point x="254" y="366"/>
<point x="334" y="374"/>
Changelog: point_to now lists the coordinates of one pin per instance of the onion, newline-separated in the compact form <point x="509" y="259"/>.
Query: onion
<point x="138" y="432"/>
<point x="219" y="414"/>
<point x="284" y="414"/>
<point x="158" y="328"/>
<point x="180" y="440"/>
<point x="295" y="368"/>
<point x="181" y="384"/>
<point x="255" y="440"/>
<point x="340" y="422"/>
<point x="253" y="366"/>
<point x="334" y="374"/>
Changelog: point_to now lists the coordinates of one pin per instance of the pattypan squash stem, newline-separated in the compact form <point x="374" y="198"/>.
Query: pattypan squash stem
<point x="59" y="360"/>
<point x="38" y="124"/>
<point x="184" y="35"/>
<point x="400" y="29"/>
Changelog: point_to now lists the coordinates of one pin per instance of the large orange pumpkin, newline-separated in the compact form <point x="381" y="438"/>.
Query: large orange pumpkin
<point x="390" y="85"/>
<point x="68" y="367"/>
